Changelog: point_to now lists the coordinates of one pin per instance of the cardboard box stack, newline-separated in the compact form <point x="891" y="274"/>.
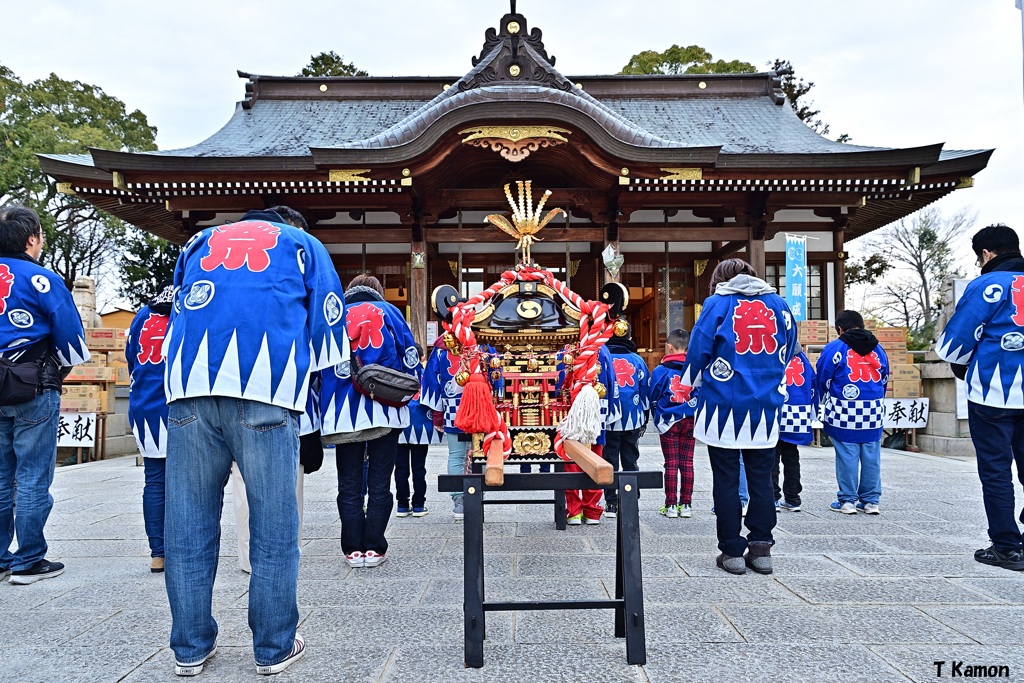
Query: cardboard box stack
<point x="814" y="332"/>
<point x="89" y="387"/>
<point x="904" y="376"/>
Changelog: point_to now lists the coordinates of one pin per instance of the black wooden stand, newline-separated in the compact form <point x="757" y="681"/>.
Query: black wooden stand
<point x="629" y="593"/>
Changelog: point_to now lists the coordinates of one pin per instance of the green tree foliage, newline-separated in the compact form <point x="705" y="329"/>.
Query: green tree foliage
<point x="684" y="60"/>
<point x="865" y="271"/>
<point x="330" y="64"/>
<point x="148" y="261"/>
<point x="52" y="115"/>
<point x="796" y="90"/>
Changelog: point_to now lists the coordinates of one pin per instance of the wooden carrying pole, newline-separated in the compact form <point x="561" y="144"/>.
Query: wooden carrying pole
<point x="599" y="469"/>
<point x="494" y="474"/>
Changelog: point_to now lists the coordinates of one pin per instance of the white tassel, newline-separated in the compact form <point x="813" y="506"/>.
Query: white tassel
<point x="583" y="422"/>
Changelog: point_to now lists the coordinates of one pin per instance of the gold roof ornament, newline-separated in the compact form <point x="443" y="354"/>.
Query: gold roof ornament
<point x="526" y="221"/>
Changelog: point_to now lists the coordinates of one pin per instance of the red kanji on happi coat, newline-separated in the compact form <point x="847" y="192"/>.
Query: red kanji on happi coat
<point x="151" y="339"/>
<point x="864" y="368"/>
<point x="755" y="326"/>
<point x="795" y="372"/>
<point x="624" y="372"/>
<point x="241" y="244"/>
<point x="680" y="392"/>
<point x="1017" y="297"/>
<point x="6" y="282"/>
<point x="365" y="323"/>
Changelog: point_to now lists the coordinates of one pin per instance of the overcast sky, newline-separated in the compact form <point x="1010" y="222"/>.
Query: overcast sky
<point x="893" y="73"/>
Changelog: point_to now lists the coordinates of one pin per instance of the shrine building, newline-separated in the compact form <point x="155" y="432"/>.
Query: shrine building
<point x="396" y="174"/>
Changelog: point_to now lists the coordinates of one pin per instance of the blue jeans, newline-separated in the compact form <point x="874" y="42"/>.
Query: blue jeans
<point x="458" y="451"/>
<point x="727" y="467"/>
<point x="28" y="455"/>
<point x="998" y="435"/>
<point x="362" y="531"/>
<point x="153" y="504"/>
<point x="204" y="436"/>
<point x="865" y="457"/>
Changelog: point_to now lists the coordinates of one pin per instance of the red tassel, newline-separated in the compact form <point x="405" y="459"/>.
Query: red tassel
<point x="476" y="414"/>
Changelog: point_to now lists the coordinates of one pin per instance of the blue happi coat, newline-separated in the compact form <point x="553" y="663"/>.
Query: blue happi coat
<point x="379" y="336"/>
<point x="632" y="379"/>
<point x="258" y="306"/>
<point x="986" y="333"/>
<point x="309" y="420"/>
<point x="147" y="399"/>
<point x="801" y="406"/>
<point x="440" y="392"/>
<point x="671" y="400"/>
<point x="420" y="431"/>
<point x="738" y="353"/>
<point x="851" y="386"/>
<point x="37" y="314"/>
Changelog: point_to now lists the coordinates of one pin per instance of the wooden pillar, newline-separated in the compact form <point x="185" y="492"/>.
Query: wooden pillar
<point x="840" y="283"/>
<point x="755" y="250"/>
<point x="418" y="294"/>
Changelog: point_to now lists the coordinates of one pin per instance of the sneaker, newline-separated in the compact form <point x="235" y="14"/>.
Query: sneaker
<point x="869" y="508"/>
<point x="776" y="506"/>
<point x="759" y="557"/>
<point x="195" y="668"/>
<point x="786" y="505"/>
<point x="1007" y="559"/>
<point x="671" y="511"/>
<point x="685" y="511"/>
<point x="458" y="509"/>
<point x="298" y="649"/>
<point x="4" y="573"/>
<point x="355" y="559"/>
<point x="156" y="565"/>
<point x="402" y="511"/>
<point x="733" y="565"/>
<point x="611" y="510"/>
<point x="592" y="520"/>
<point x="420" y="511"/>
<point x="575" y="520"/>
<point x="373" y="559"/>
<point x="43" y="569"/>
<point x="845" y="508"/>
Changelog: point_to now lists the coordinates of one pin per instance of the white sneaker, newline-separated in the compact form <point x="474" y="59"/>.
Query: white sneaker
<point x="672" y="511"/>
<point x="588" y="520"/>
<point x="844" y="508"/>
<point x="871" y="509"/>
<point x="355" y="559"/>
<point x="298" y="649"/>
<point x="684" y="511"/>
<point x="195" y="668"/>
<point x="373" y="559"/>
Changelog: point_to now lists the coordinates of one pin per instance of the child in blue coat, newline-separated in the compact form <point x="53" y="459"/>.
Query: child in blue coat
<point x="622" y="438"/>
<point x="674" y="404"/>
<point x="412" y="456"/>
<point x="799" y="410"/>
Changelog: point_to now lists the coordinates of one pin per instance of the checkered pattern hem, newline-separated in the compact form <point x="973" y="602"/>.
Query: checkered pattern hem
<point x="796" y="419"/>
<point x="845" y="414"/>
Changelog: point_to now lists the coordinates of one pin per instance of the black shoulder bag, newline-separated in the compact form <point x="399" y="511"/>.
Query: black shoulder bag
<point x="19" y="382"/>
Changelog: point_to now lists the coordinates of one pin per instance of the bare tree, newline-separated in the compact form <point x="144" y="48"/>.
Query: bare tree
<point x="920" y="248"/>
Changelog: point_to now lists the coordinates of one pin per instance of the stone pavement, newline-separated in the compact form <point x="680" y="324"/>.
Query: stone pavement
<point x="852" y="598"/>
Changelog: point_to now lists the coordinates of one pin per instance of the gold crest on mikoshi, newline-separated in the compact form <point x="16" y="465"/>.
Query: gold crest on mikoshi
<point x="526" y="220"/>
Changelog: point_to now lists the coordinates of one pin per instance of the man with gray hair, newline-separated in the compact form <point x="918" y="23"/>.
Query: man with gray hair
<point x="40" y="335"/>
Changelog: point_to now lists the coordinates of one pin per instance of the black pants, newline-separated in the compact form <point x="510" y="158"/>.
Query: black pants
<point x="624" y="446"/>
<point x="789" y="455"/>
<point x="761" y="517"/>
<point x="998" y="435"/>
<point x="414" y="458"/>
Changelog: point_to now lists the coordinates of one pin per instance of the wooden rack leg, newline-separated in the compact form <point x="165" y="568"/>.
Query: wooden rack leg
<point x="473" y="579"/>
<point x="632" y="578"/>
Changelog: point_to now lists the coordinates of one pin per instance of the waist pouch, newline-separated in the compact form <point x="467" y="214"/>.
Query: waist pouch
<point x="19" y="382"/>
<point x="384" y="385"/>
